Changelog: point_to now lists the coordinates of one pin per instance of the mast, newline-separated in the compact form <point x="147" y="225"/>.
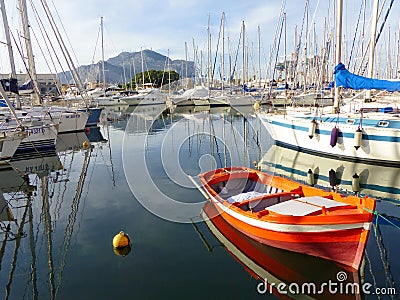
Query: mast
<point x="141" y="54"/>
<point x="259" y="56"/>
<point x="338" y="57"/>
<point x="372" y="44"/>
<point x="243" y="53"/>
<point x="31" y="62"/>
<point x="9" y="47"/>
<point x="284" y="50"/>
<point x="209" y="55"/>
<point x="223" y="52"/>
<point x="305" y="50"/>
<point x="102" y="55"/>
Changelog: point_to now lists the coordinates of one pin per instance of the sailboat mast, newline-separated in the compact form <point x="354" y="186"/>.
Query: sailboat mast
<point x="259" y="56"/>
<point x="223" y="52"/>
<point x="243" y="53"/>
<point x="372" y="44"/>
<point x="9" y="47"/>
<point x="338" y="57"/>
<point x="102" y="54"/>
<point x="29" y="51"/>
<point x="209" y="55"/>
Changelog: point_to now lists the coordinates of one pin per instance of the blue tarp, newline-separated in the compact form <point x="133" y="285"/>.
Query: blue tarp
<point x="349" y="80"/>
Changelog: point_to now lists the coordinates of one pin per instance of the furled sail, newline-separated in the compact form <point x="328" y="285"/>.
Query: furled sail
<point x="349" y="80"/>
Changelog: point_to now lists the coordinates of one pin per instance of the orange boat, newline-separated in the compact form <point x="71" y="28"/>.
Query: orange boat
<point x="289" y="215"/>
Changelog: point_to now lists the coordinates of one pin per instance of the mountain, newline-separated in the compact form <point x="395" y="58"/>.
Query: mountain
<point x="132" y="61"/>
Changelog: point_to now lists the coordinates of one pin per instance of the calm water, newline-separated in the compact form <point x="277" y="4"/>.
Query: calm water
<point x="69" y="204"/>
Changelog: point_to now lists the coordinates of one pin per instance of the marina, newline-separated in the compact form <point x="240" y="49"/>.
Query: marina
<point x="68" y="204"/>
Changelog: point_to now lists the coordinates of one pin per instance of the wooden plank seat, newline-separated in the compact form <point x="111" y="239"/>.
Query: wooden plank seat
<point x="305" y="206"/>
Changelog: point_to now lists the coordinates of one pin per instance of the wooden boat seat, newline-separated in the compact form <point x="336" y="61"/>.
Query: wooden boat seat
<point x="293" y="208"/>
<point x="305" y="206"/>
<point x="321" y="201"/>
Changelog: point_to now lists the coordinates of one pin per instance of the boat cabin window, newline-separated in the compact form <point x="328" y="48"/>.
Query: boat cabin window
<point x="350" y="121"/>
<point x="383" y="124"/>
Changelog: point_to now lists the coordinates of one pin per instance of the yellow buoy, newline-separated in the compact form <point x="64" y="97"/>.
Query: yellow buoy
<point x="256" y="106"/>
<point x="85" y="144"/>
<point x="121" y="240"/>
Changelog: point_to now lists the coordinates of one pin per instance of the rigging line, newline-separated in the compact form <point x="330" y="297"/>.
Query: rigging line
<point x="369" y="44"/>
<point x="283" y="4"/>
<point x="24" y="62"/>
<point x="355" y="34"/>
<point x="63" y="47"/>
<point x="300" y="37"/>
<point x="42" y="31"/>
<point x="65" y="32"/>
<point x="236" y="56"/>
<point x="277" y="53"/>
<point x="216" y="51"/>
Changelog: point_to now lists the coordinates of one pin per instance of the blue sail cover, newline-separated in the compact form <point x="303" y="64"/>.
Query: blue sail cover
<point x="346" y="79"/>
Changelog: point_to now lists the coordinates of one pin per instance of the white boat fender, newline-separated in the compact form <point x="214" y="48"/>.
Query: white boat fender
<point x="312" y="128"/>
<point x="357" y="138"/>
<point x="310" y="177"/>
<point x="355" y="183"/>
<point x="334" y="136"/>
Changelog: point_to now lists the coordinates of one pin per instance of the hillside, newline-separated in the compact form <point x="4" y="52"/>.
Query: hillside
<point x="132" y="61"/>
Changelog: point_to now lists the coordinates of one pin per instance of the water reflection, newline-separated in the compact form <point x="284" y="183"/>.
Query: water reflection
<point x="41" y="204"/>
<point x="375" y="181"/>
<point x="167" y="147"/>
<point x="283" y="273"/>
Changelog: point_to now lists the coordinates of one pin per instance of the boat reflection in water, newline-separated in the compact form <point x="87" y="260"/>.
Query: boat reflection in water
<point x="33" y="187"/>
<point x="283" y="273"/>
<point x="375" y="181"/>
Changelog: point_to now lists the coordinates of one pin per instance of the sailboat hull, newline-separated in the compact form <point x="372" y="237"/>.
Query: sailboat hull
<point x="379" y="144"/>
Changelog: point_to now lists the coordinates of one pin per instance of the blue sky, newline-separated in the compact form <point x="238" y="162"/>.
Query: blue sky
<point x="130" y="25"/>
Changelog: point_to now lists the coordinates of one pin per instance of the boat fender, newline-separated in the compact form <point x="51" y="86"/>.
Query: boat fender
<point x="334" y="136"/>
<point x="310" y="177"/>
<point x="121" y="240"/>
<point x="85" y="144"/>
<point x="355" y="183"/>
<point x="357" y="138"/>
<point x="311" y="129"/>
<point x="332" y="178"/>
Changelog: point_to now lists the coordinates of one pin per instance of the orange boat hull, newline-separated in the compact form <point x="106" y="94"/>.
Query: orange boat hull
<point x="338" y="235"/>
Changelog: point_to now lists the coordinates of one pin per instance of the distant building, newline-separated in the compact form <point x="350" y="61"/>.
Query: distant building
<point x="48" y="83"/>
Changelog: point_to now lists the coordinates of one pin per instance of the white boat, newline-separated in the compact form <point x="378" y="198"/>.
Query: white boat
<point x="109" y="100"/>
<point x="68" y="120"/>
<point x="145" y="97"/>
<point x="198" y="96"/>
